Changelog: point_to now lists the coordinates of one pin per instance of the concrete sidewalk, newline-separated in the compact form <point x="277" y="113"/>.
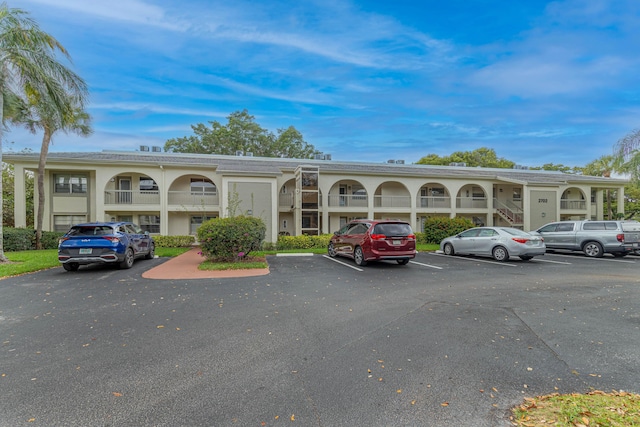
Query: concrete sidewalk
<point x="185" y="266"/>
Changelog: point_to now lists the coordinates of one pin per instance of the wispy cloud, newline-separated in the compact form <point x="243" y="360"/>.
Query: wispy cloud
<point x="131" y="11"/>
<point x="385" y="77"/>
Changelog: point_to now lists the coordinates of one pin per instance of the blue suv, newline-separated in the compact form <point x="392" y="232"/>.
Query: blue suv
<point x="104" y="242"/>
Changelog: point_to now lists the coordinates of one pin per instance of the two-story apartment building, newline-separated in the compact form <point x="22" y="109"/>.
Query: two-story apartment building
<point x="172" y="194"/>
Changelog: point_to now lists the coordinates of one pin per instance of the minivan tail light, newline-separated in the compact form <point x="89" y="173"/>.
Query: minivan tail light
<point x="378" y="237"/>
<point x="520" y="239"/>
<point x="411" y="237"/>
<point x="620" y="238"/>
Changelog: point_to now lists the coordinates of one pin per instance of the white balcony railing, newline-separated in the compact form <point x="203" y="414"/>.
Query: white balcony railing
<point x="188" y="198"/>
<point x="573" y="204"/>
<point x="348" y="200"/>
<point x="130" y="197"/>
<point x="471" y="202"/>
<point x="285" y="199"/>
<point x="434" y="202"/>
<point x="392" y="201"/>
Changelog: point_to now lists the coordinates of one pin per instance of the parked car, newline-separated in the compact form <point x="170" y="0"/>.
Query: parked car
<point x="497" y="242"/>
<point x="366" y="240"/>
<point x="594" y="238"/>
<point x="104" y="242"/>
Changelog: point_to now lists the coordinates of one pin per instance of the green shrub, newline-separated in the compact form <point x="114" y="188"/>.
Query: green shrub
<point x="24" y="239"/>
<point x="50" y="239"/>
<point x="421" y="238"/>
<point x="437" y="228"/>
<point x="231" y="238"/>
<point x="174" y="241"/>
<point x="18" y="239"/>
<point x="303" y="242"/>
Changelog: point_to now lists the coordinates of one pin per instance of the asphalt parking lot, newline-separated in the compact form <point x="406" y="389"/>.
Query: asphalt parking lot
<point x="441" y="341"/>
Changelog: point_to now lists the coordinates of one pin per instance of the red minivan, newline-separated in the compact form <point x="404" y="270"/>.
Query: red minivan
<point x="374" y="240"/>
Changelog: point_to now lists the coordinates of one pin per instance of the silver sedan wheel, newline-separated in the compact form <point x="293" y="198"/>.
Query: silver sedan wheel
<point x="500" y="254"/>
<point x="448" y="249"/>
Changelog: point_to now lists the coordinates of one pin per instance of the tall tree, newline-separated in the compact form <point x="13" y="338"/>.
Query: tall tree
<point x="29" y="66"/>
<point x="627" y="154"/>
<point x="40" y="114"/>
<point x="602" y="166"/>
<point x="242" y="133"/>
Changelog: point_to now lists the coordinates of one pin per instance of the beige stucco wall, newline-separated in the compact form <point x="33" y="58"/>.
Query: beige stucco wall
<point x="257" y="196"/>
<point x="543" y="208"/>
<point x="266" y="189"/>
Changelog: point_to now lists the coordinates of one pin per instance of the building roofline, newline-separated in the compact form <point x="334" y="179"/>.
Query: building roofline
<point x="276" y="165"/>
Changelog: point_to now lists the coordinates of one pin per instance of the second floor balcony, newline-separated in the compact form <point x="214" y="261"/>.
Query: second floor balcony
<point x="348" y="200"/>
<point x="174" y="198"/>
<point x="434" y="202"/>
<point x="130" y="197"/>
<point x="573" y="204"/>
<point x="471" y="202"/>
<point x="192" y="199"/>
<point x="391" y="201"/>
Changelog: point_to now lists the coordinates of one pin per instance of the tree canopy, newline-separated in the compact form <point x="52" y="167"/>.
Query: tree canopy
<point x="242" y="134"/>
<point x="487" y="158"/>
<point x="484" y="157"/>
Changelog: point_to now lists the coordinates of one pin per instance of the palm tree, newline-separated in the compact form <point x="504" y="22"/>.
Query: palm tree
<point x="40" y="115"/>
<point x="29" y="68"/>
<point x="627" y="154"/>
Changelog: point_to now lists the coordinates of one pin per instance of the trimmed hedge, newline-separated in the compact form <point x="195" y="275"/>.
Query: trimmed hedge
<point x="303" y="242"/>
<point x="437" y="228"/>
<point x="174" y="241"/>
<point x="24" y="239"/>
<point x="231" y="238"/>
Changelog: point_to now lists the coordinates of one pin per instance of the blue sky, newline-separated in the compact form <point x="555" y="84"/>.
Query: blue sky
<point x="537" y="81"/>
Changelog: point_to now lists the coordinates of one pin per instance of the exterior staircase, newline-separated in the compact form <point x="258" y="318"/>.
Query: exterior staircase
<point x="510" y="213"/>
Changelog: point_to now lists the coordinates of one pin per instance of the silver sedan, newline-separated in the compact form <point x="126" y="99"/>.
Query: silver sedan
<point x="497" y="242"/>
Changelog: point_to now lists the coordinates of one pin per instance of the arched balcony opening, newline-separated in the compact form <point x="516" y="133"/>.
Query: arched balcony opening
<point x="392" y="194"/>
<point x="573" y="199"/>
<point x="131" y="188"/>
<point x="286" y="196"/>
<point x="434" y="195"/>
<point x="348" y="194"/>
<point x="471" y="196"/>
<point x="191" y="191"/>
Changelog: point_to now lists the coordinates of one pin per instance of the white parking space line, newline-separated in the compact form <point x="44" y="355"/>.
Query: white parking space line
<point x="554" y="262"/>
<point x="627" y="261"/>
<point x="295" y="254"/>
<point x="426" y="265"/>
<point x="343" y="263"/>
<point x="476" y="260"/>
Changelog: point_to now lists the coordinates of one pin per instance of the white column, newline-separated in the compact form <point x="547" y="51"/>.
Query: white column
<point x="20" y="203"/>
